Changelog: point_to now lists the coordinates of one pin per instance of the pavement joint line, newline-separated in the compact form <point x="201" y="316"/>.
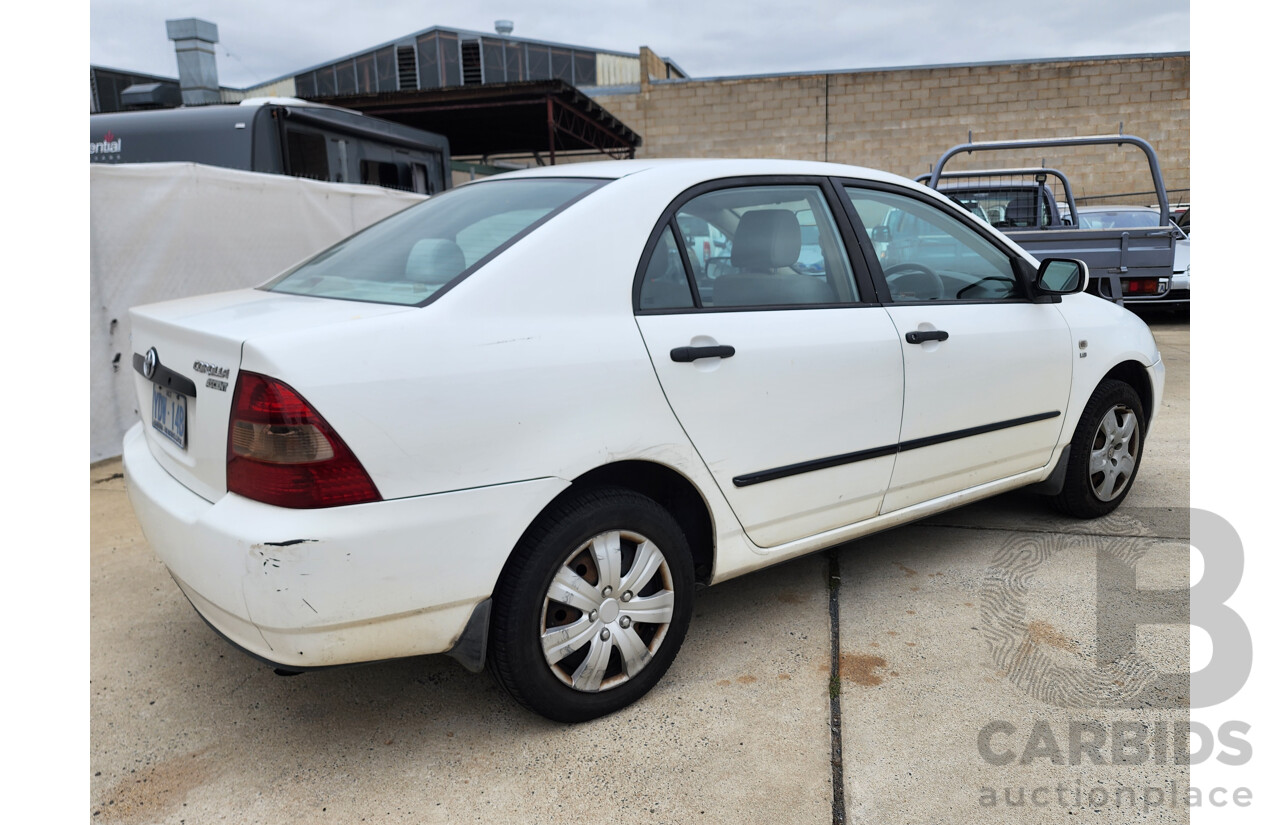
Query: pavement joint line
<point x="834" y="689"/>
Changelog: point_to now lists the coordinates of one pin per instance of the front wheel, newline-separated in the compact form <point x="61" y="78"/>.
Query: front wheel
<point x="1105" y="452"/>
<point x="593" y="606"/>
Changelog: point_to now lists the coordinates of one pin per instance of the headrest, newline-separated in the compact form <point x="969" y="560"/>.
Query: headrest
<point x="766" y="239"/>
<point x="434" y="261"/>
<point x="1022" y="208"/>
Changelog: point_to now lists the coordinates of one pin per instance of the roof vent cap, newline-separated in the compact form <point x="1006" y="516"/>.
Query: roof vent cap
<point x="503" y="27"/>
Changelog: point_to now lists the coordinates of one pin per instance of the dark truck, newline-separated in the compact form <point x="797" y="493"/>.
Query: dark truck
<point x="1023" y="198"/>
<point x="1035" y="207"/>
<point x="281" y="136"/>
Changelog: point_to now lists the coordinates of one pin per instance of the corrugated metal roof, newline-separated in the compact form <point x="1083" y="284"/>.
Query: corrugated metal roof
<point x="467" y="33"/>
<point x="502" y="118"/>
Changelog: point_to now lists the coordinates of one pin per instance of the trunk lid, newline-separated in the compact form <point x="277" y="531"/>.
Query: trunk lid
<point x="185" y="404"/>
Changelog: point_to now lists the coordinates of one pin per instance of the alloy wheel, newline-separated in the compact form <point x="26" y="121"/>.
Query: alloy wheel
<point x="1114" y="454"/>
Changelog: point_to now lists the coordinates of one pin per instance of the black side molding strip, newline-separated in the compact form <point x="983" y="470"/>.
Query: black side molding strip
<point x="929" y="441"/>
<point x="166" y="377"/>
<point x="880" y="452"/>
<point x="809" y="466"/>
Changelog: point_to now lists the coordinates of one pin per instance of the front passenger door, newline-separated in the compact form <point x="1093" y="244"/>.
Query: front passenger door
<point x="987" y="371"/>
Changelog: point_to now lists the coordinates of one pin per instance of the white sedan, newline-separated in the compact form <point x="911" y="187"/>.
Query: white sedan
<point x="520" y="421"/>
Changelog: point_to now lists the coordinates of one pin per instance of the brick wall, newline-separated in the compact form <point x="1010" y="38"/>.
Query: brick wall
<point x="901" y="120"/>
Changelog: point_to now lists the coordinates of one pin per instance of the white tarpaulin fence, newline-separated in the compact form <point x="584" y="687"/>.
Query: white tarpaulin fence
<point x="171" y="230"/>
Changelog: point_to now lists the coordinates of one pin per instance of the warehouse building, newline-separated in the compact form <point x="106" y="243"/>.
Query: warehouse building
<point x="553" y="102"/>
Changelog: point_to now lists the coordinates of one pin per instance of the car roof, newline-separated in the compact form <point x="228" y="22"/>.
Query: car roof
<point x="696" y="169"/>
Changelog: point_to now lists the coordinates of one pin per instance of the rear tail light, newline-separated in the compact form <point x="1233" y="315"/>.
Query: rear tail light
<point x="281" y="451"/>
<point x="1142" y="286"/>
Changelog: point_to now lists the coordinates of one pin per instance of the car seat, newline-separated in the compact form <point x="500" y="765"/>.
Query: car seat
<point x="768" y="240"/>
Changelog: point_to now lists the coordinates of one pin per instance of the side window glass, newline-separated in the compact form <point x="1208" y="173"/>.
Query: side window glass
<point x="765" y="246"/>
<point x="705" y="245"/>
<point x="929" y="255"/>
<point x="665" y="285"/>
<point x="380" y="173"/>
<point x="308" y="155"/>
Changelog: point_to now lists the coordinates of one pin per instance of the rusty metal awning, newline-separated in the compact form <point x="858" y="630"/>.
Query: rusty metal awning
<point x="532" y="117"/>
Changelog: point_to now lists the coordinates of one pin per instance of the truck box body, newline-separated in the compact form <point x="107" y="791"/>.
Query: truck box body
<point x="279" y="136"/>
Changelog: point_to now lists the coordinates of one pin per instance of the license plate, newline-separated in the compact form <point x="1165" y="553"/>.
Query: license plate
<point x="169" y="414"/>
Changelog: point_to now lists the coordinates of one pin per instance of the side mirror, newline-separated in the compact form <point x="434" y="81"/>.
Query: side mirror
<point x="1061" y="276"/>
<point x="880" y="234"/>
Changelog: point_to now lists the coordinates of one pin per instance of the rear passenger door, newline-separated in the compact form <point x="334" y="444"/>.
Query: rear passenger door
<point x="772" y="353"/>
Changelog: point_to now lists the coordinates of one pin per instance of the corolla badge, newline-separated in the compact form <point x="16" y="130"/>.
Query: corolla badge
<point x="150" y="362"/>
<point x="215" y="373"/>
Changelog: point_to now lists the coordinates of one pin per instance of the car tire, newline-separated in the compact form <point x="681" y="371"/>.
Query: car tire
<point x="593" y="606"/>
<point x="1106" y="452"/>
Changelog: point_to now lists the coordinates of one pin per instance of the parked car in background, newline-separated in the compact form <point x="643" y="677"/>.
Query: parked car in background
<point x="1180" y="283"/>
<point x="1120" y="217"/>
<point x="519" y="422"/>
<point x="1182" y="217"/>
<point x="1112" y="217"/>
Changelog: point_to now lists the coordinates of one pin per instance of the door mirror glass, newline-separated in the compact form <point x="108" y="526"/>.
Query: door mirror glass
<point x="1062" y="276"/>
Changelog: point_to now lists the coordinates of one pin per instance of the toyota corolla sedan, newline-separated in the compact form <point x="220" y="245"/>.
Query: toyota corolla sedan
<point x="521" y="421"/>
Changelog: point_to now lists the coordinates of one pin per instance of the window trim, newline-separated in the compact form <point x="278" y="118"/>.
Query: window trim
<point x="678" y="240"/>
<point x="984" y="231"/>
<point x="861" y="276"/>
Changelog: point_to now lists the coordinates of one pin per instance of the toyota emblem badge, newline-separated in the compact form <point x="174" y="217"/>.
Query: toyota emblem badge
<point x="150" y="363"/>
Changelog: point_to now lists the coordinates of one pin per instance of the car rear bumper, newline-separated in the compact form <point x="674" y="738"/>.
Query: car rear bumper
<point x="313" y="588"/>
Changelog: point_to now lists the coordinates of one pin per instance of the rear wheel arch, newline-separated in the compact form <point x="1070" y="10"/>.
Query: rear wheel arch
<point x="677" y="495"/>
<point x="669" y="488"/>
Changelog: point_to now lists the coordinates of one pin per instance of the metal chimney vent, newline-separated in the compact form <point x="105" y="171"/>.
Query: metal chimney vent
<point x="193" y="40"/>
<point x="503" y="27"/>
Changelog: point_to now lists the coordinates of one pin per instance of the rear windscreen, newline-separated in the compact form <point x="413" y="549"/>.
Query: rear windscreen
<point x="411" y="256"/>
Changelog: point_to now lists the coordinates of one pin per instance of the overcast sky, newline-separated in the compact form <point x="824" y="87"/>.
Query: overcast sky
<point x="261" y="41"/>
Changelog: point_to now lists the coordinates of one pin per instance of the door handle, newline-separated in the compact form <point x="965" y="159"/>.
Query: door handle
<point x="684" y="355"/>
<point x="919" y="337"/>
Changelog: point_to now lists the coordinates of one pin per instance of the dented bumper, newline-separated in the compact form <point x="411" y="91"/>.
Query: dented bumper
<point x="313" y="588"/>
